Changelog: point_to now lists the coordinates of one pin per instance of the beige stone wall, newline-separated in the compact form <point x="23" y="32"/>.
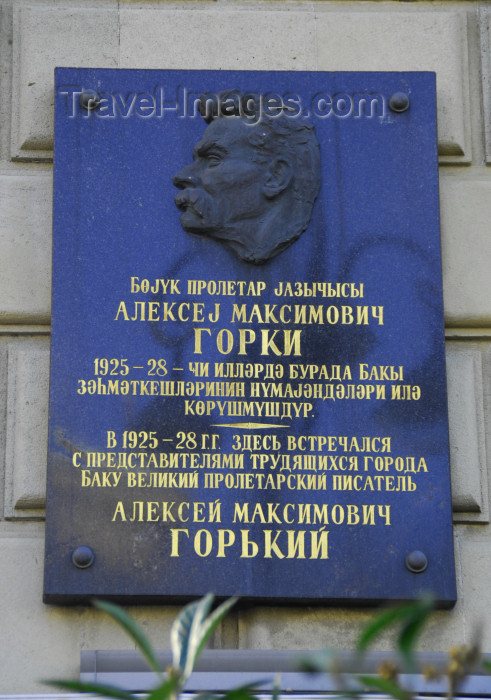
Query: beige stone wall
<point x="449" y="37"/>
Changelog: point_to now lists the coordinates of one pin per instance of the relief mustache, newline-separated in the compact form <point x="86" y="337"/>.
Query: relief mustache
<point x="187" y="200"/>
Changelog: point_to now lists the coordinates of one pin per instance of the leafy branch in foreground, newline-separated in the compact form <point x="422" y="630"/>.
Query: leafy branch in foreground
<point x="410" y="617"/>
<point x="195" y="623"/>
<point x="409" y="620"/>
<point x="189" y="633"/>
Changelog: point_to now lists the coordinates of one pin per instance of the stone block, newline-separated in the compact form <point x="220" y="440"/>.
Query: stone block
<point x="470" y="499"/>
<point x="25" y="248"/>
<point x="336" y="628"/>
<point x="486" y="43"/>
<point x="27" y="428"/>
<point x="405" y="41"/>
<point x="465" y="212"/>
<point x="476" y="569"/>
<point x="44" y="38"/>
<point x="260" y="36"/>
<point x="301" y="39"/>
<point x="219" y="38"/>
<point x="41" y="641"/>
<point x="300" y="628"/>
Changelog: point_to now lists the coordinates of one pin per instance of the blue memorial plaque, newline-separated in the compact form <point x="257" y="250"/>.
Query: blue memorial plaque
<point x="247" y="372"/>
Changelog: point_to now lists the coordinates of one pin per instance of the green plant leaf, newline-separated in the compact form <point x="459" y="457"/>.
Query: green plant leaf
<point x="209" y="625"/>
<point x="168" y="689"/>
<point x="108" y="691"/>
<point x="276" y="694"/>
<point x="134" y="631"/>
<point x="413" y="626"/>
<point x="487" y="665"/>
<point x="310" y="666"/>
<point x="380" y="624"/>
<point x="244" y="692"/>
<point x="207" y="696"/>
<point x="192" y="629"/>
<point x="386" y="686"/>
<point x="320" y="662"/>
<point x="405" y="614"/>
<point x="184" y="629"/>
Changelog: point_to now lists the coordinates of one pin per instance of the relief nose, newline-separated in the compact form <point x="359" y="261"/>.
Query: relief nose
<point x="185" y="178"/>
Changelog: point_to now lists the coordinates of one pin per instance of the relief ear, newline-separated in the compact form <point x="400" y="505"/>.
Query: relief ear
<point x="279" y="176"/>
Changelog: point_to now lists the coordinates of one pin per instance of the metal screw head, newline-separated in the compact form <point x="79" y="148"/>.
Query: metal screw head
<point x="83" y="557"/>
<point x="416" y="561"/>
<point x="89" y="100"/>
<point x="399" y="102"/>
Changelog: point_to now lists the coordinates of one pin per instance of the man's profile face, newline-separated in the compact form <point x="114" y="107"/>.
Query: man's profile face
<point x="223" y="185"/>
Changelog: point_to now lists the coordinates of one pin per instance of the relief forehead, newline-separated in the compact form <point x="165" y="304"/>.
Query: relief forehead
<point x="288" y="151"/>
